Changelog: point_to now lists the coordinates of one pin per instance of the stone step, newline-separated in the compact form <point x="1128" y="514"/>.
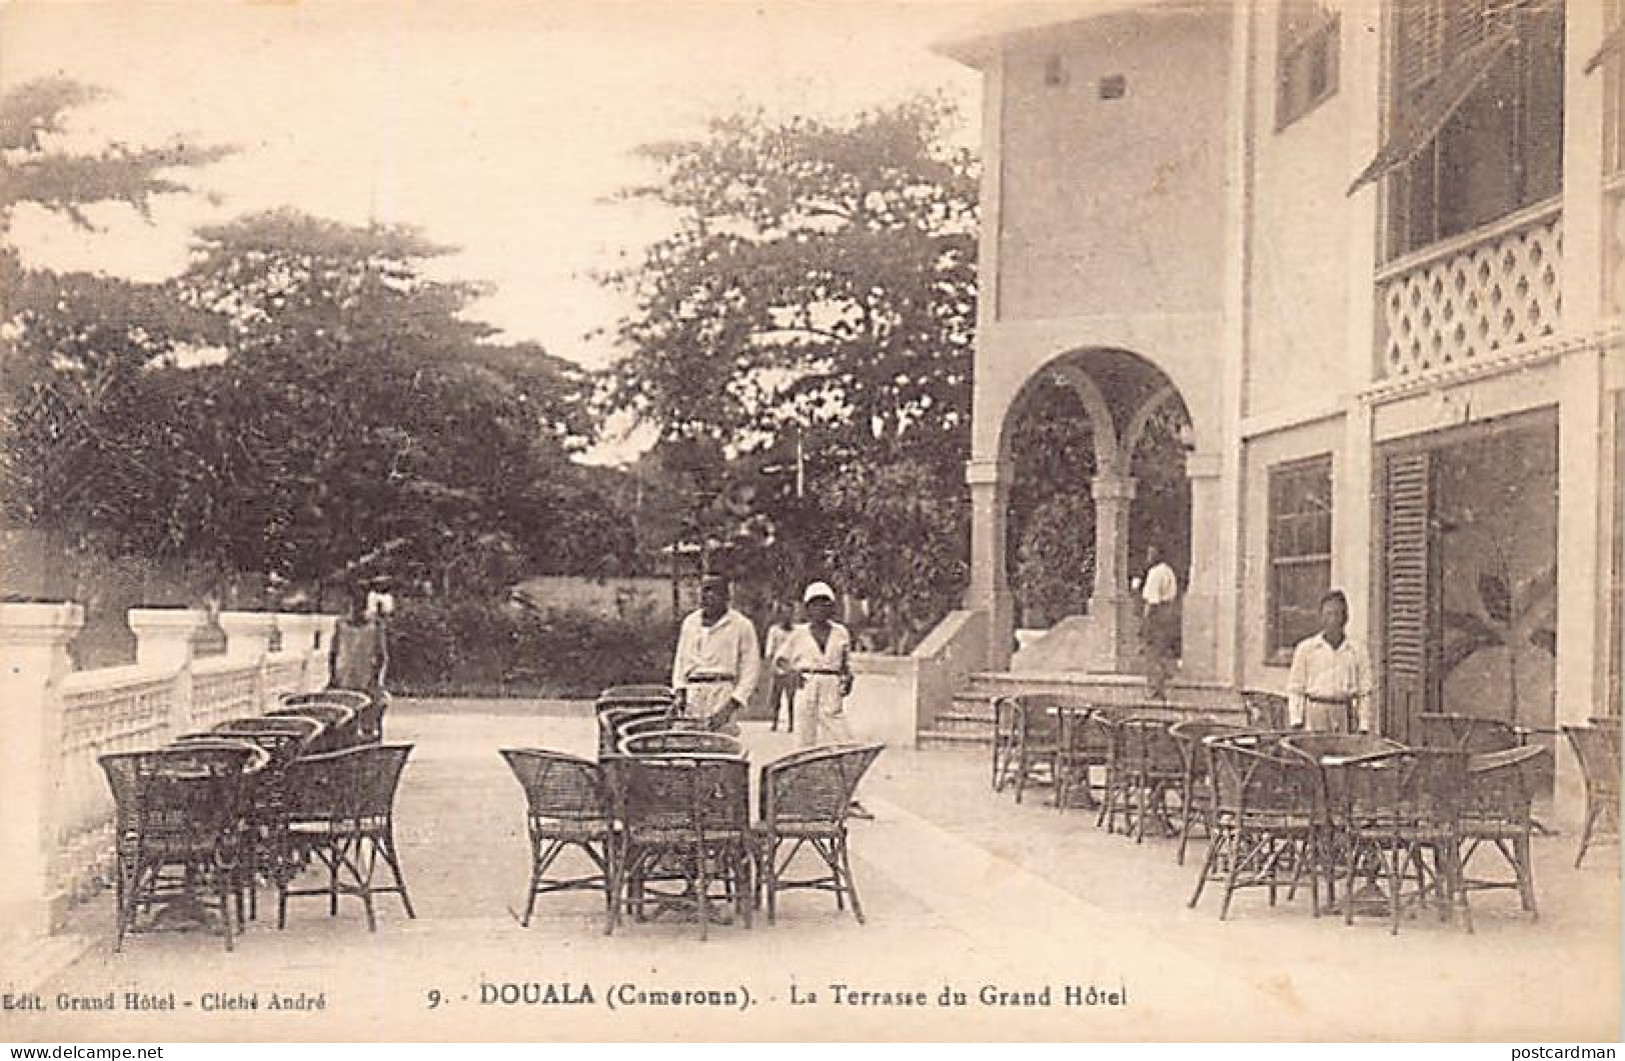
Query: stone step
<point x="965" y="721"/>
<point x="947" y="738"/>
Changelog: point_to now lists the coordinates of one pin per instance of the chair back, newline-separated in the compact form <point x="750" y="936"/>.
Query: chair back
<point x="635" y="694"/>
<point x="1038" y="717"/>
<point x="814" y="786"/>
<point x="1191" y="736"/>
<point x="351" y="698"/>
<point x="679" y="742"/>
<point x="1147" y="746"/>
<point x="1416" y="787"/>
<point x="617" y="721"/>
<point x="195" y="793"/>
<point x="1501" y="787"/>
<point x="1341" y="746"/>
<point x="339" y="720"/>
<point x="1265" y="710"/>
<point x="1258" y="782"/>
<point x="306" y="729"/>
<point x="559" y="787"/>
<point x="1598" y="751"/>
<point x="352" y="784"/>
<point x="279" y="745"/>
<point x="1466" y="733"/>
<point x="687" y="798"/>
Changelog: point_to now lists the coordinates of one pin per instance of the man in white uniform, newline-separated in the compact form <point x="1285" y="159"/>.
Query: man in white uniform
<point x="817" y="655"/>
<point x="717" y="661"/>
<point x="1329" y="687"/>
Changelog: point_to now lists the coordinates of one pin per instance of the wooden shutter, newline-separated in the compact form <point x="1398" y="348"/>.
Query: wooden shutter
<point x="1409" y="591"/>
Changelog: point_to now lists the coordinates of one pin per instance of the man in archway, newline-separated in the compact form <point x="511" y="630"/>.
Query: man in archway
<point x="1160" y="629"/>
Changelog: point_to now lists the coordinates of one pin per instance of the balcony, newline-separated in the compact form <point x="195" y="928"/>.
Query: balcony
<point x="1473" y="298"/>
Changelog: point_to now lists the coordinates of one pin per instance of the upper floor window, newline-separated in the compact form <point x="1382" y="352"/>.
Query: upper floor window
<point x="1306" y="59"/>
<point x="1476" y="129"/>
<point x="1300" y="551"/>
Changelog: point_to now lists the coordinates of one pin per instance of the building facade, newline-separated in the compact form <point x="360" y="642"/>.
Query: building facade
<point x="1375" y="250"/>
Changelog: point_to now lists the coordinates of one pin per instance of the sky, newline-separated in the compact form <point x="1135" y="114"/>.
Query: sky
<point x="502" y="129"/>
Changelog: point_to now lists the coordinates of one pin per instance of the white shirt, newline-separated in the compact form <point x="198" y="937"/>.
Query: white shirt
<point x="1323" y="672"/>
<point x="727" y="648"/>
<point x="800" y="651"/>
<point x="1161" y="584"/>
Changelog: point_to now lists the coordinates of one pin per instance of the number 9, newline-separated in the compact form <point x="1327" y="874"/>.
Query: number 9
<point x="434" y="999"/>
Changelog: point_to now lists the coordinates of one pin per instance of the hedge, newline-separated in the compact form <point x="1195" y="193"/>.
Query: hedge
<point x="475" y="647"/>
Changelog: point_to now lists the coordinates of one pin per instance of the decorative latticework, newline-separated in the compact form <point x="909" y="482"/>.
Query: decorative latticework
<point x="1472" y="300"/>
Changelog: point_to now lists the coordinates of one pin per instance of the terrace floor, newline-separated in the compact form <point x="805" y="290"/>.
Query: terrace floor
<point x="965" y="891"/>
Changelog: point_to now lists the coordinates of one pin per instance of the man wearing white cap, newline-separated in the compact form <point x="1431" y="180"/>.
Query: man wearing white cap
<point x="717" y="661"/>
<point x="817" y="655"/>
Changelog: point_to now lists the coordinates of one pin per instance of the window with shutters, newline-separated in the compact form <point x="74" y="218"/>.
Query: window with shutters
<point x="1307" y="47"/>
<point x="1300" y="552"/>
<point x="1484" y="80"/>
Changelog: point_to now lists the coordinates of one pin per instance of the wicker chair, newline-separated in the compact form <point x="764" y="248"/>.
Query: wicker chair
<point x="568" y="806"/>
<point x="304" y="730"/>
<point x="618" y="722"/>
<point x="338" y="720"/>
<point x="1468" y="734"/>
<point x="684" y="819"/>
<point x="1597" y="748"/>
<point x="1085" y="744"/>
<point x="1497" y="811"/>
<point x="341" y="811"/>
<point x="1394" y="813"/>
<point x="1266" y="711"/>
<point x="181" y="829"/>
<point x="1004" y="741"/>
<point x="1196" y="795"/>
<point x="1148" y="764"/>
<point x="1267" y="826"/>
<point x="351" y="698"/>
<point x="681" y="742"/>
<point x="1038" y="740"/>
<point x="804" y="802"/>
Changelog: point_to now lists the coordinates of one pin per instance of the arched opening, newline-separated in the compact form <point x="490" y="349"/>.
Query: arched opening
<point x="1095" y="443"/>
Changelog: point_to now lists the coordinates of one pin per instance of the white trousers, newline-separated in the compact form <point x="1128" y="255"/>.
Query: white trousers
<point x="819" y="711"/>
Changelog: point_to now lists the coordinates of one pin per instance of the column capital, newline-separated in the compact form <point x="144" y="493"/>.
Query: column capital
<point x="248" y="634"/>
<point x="1104" y="487"/>
<point x="40" y="624"/>
<point x="989" y="472"/>
<point x="298" y="630"/>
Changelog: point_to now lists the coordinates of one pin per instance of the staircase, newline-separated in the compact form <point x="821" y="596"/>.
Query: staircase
<point x="969" y="720"/>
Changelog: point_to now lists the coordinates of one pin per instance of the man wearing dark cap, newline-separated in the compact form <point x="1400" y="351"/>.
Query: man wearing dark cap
<point x="717" y="661"/>
<point x="1329" y="688"/>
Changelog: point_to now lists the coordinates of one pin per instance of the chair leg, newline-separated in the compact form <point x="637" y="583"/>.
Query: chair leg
<point x="1526" y="875"/>
<point x="1215" y="841"/>
<point x="1237" y="844"/>
<point x="1593" y="809"/>
<point x="851" y="881"/>
<point x="385" y="845"/>
<point x="1021" y="774"/>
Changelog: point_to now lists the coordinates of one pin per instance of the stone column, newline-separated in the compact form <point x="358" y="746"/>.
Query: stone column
<point x="989" y="582"/>
<point x="299" y="642"/>
<point x="248" y="634"/>
<point x="34" y="647"/>
<point x="1113" y="615"/>
<point x="1200" y="607"/>
<point x="163" y="642"/>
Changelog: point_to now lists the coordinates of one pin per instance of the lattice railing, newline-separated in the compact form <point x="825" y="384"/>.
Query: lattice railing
<point x="1471" y="298"/>
<point x="284" y="676"/>
<point x="116" y="710"/>
<point x="223" y="689"/>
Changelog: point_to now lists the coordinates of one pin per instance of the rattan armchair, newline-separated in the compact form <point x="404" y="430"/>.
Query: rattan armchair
<point x="1468" y="733"/>
<point x="338" y="721"/>
<point x="684" y="820"/>
<point x="1196" y="797"/>
<point x="804" y="803"/>
<point x="567" y="806"/>
<point x="341" y="812"/>
<point x="1267" y="823"/>
<point x="1497" y="813"/>
<point x="180" y="830"/>
<point x="1147" y="764"/>
<point x="1037" y="740"/>
<point x="1597" y="748"/>
<point x="354" y="699"/>
<point x="681" y="742"/>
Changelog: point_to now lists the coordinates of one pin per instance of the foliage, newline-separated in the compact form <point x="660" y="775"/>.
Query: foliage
<point x="472" y="645"/>
<point x="895" y="539"/>
<point x="1055" y="561"/>
<point x="1510" y="620"/>
<point x="819" y="287"/>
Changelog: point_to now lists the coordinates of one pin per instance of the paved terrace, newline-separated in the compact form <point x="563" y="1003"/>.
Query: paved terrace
<point x="962" y="888"/>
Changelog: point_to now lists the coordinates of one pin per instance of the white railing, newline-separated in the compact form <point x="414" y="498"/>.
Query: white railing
<point x="1473" y="297"/>
<point x="55" y="837"/>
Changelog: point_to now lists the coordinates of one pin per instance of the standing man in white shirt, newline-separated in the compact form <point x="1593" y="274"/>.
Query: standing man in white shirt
<point x="817" y="655"/>
<point x="717" y="661"/>
<point x="1329" y="688"/>
<point x="1160" y="629"/>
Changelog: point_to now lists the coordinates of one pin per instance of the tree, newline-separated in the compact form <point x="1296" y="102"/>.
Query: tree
<point x="820" y="283"/>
